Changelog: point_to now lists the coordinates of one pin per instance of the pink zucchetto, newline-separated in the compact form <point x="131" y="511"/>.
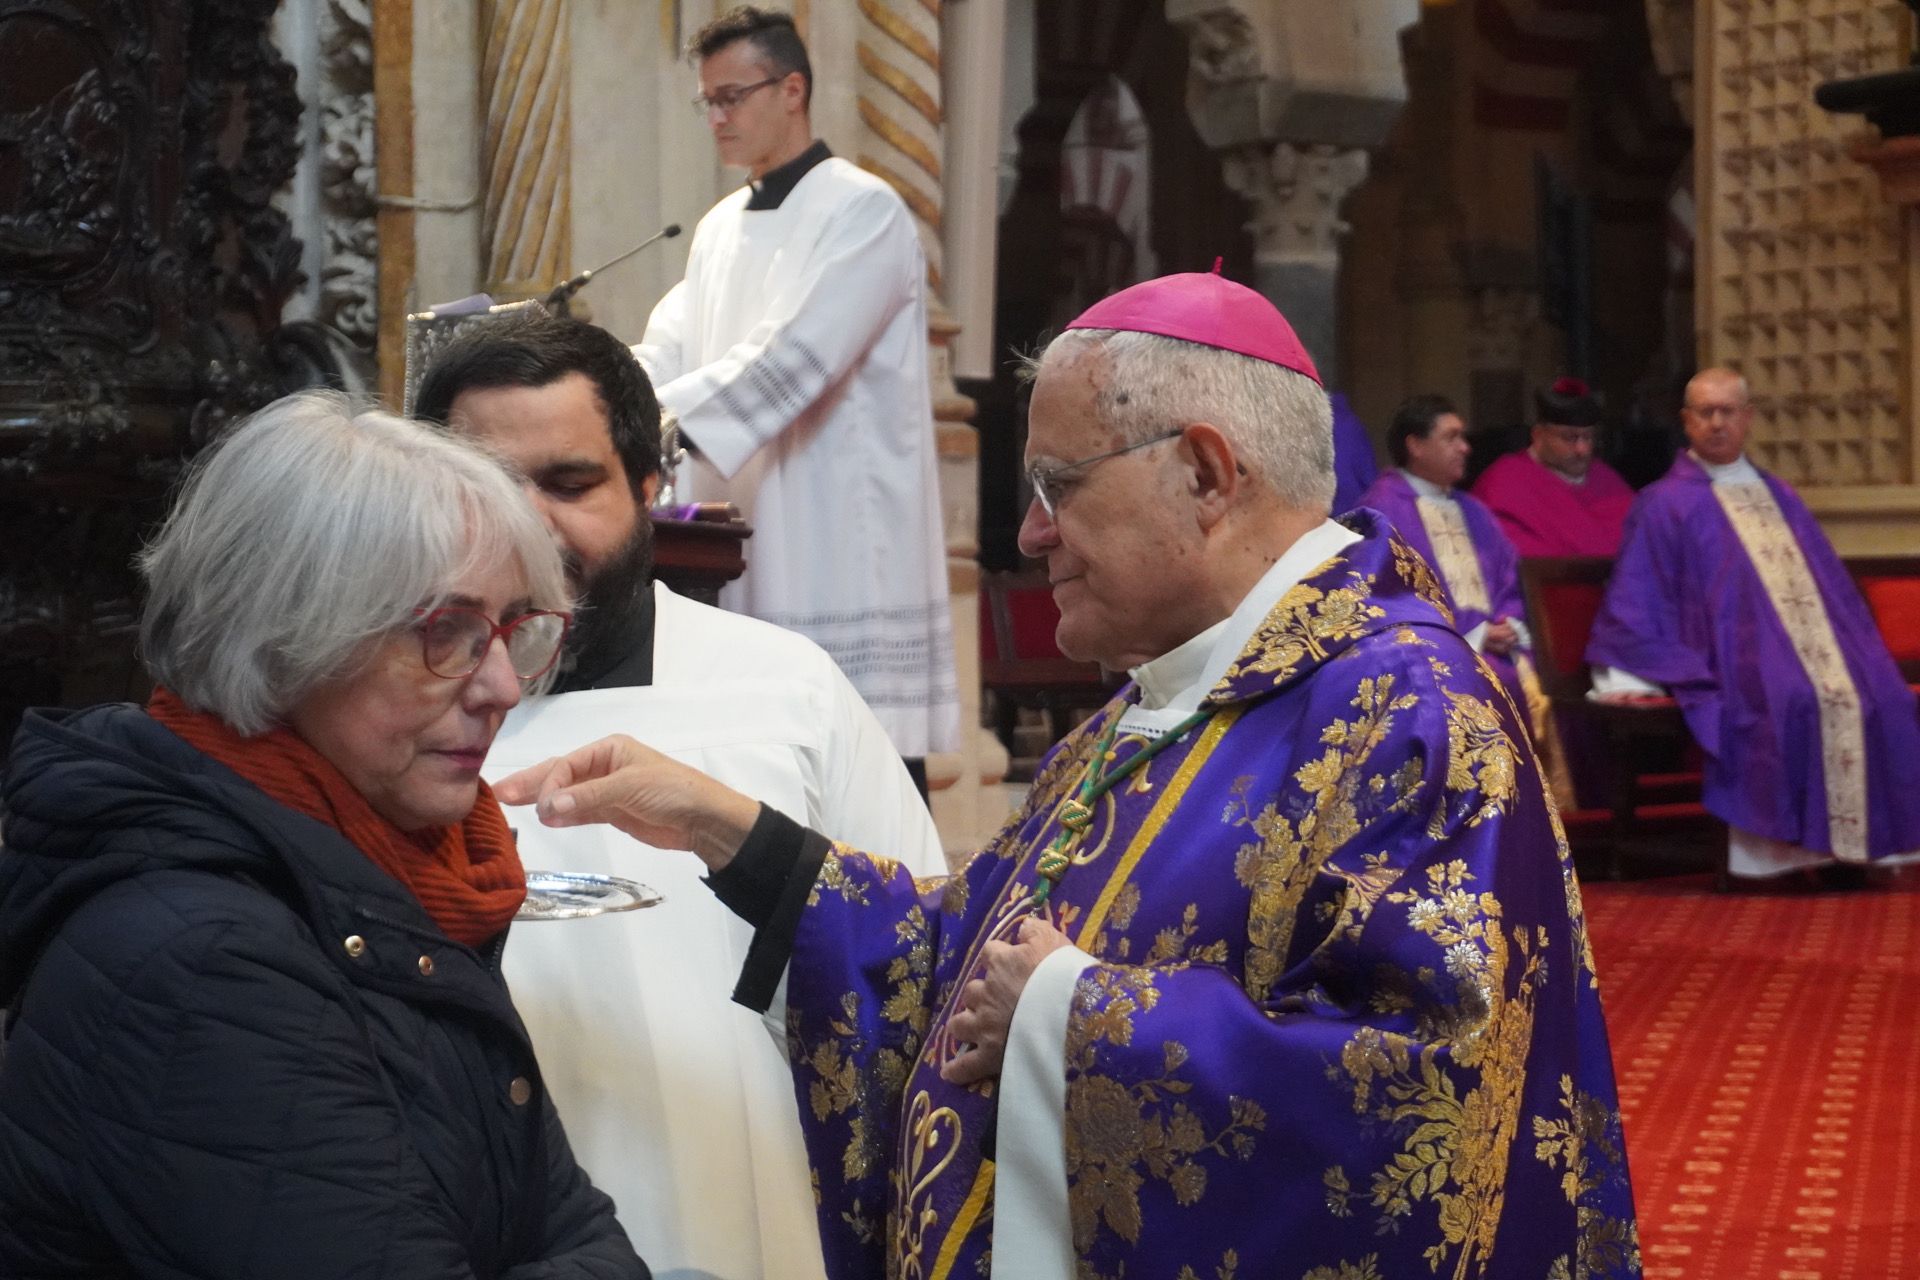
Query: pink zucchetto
<point x="1206" y="308"/>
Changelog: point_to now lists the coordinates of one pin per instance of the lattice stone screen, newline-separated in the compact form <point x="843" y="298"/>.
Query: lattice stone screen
<point x="1803" y="268"/>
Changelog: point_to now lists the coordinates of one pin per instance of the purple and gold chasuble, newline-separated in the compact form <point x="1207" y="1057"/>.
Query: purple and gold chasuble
<point x="1480" y="573"/>
<point x="1344" y="1024"/>
<point x="1732" y="598"/>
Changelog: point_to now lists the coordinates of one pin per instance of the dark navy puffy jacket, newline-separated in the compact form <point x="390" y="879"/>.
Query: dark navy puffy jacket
<point x="236" y="1048"/>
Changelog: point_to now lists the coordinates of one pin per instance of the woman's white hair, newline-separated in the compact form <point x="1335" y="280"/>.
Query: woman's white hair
<point x="1279" y="422"/>
<point x="315" y="526"/>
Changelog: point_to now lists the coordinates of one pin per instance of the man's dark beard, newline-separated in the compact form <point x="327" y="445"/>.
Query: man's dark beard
<point x="615" y="609"/>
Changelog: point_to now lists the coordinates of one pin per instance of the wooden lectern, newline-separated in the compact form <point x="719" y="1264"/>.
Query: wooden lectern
<point x="697" y="557"/>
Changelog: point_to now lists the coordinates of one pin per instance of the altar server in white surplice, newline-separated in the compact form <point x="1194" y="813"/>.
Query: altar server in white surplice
<point x="794" y="354"/>
<point x="679" y="1104"/>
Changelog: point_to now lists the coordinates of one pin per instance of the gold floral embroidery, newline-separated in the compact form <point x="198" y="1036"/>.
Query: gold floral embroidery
<point x="1171" y="943"/>
<point x="839" y="1085"/>
<point x="953" y="898"/>
<point x="1229" y="1268"/>
<point x="1301" y="626"/>
<point x="1290" y="853"/>
<point x="1119" y="1135"/>
<point x="1339" y="1193"/>
<point x="1368" y="1268"/>
<point x="833" y="878"/>
<point x="1586" y="1146"/>
<point x="1453" y="1148"/>
<point x="1482" y="759"/>
<point x="910" y="974"/>
<point x="1418" y="574"/>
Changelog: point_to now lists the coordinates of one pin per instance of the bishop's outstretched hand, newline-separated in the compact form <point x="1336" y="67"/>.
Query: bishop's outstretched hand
<point x="635" y="789"/>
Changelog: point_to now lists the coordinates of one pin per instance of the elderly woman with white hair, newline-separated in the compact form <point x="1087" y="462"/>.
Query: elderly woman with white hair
<point x="250" y="933"/>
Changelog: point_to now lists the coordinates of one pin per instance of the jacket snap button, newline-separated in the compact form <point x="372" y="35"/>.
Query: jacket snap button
<point x="519" y="1091"/>
<point x="356" y="945"/>
<point x="426" y="966"/>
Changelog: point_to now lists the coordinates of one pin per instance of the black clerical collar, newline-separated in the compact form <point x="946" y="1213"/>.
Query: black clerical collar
<point x="777" y="184"/>
<point x="624" y="659"/>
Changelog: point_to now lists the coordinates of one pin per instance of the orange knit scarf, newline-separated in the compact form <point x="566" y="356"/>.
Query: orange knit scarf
<point x="468" y="877"/>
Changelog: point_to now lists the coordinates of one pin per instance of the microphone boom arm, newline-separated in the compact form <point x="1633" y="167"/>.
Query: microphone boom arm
<point x="565" y="290"/>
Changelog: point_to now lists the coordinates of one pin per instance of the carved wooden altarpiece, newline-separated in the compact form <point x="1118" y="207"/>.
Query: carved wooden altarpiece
<point x="143" y="269"/>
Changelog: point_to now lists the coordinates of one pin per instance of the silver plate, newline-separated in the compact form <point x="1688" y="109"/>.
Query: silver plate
<point x="571" y="895"/>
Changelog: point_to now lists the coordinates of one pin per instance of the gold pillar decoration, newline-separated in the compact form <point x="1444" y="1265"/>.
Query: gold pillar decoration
<point x="525" y="236"/>
<point x="1802" y="272"/>
<point x="896" y="51"/>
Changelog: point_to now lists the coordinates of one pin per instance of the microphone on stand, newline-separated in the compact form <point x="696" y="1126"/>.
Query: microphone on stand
<point x="557" y="300"/>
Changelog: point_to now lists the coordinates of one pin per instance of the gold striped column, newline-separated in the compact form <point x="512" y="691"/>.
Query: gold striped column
<point x="525" y="235"/>
<point x="896" y="50"/>
<point x="898" y="98"/>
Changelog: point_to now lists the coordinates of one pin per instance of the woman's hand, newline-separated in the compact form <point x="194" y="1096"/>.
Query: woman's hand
<point x="654" y="799"/>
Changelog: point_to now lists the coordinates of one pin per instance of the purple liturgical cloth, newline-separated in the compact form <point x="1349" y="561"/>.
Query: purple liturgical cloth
<point x="1687" y="608"/>
<point x="1392" y="496"/>
<point x="1544" y="515"/>
<point x="1341" y="1020"/>
<point x="1354" y="467"/>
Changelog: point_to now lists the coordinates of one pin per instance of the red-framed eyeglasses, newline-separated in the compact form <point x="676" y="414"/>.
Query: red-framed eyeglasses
<point x="454" y="640"/>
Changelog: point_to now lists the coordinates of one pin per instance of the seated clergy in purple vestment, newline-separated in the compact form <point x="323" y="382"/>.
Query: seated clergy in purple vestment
<point x="1477" y="565"/>
<point x="1554" y="498"/>
<point x="1280" y="970"/>
<point x="1727" y="595"/>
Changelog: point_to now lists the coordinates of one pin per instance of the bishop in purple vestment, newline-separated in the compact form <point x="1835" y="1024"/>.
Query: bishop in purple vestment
<point x="1727" y="595"/>
<point x="1281" y="969"/>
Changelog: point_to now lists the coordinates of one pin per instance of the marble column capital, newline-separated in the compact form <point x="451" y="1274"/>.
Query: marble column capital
<point x="1296" y="191"/>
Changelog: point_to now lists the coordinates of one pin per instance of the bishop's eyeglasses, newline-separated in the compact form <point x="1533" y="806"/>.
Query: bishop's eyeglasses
<point x="1051" y="480"/>
<point x="454" y="640"/>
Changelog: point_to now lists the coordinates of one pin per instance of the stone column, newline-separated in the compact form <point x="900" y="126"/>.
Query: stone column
<point x="1294" y="103"/>
<point x="887" y="54"/>
<point x="526" y="222"/>
<point x="1296" y="191"/>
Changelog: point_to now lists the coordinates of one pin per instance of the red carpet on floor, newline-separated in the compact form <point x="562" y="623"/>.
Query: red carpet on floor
<point x="1766" y="1045"/>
